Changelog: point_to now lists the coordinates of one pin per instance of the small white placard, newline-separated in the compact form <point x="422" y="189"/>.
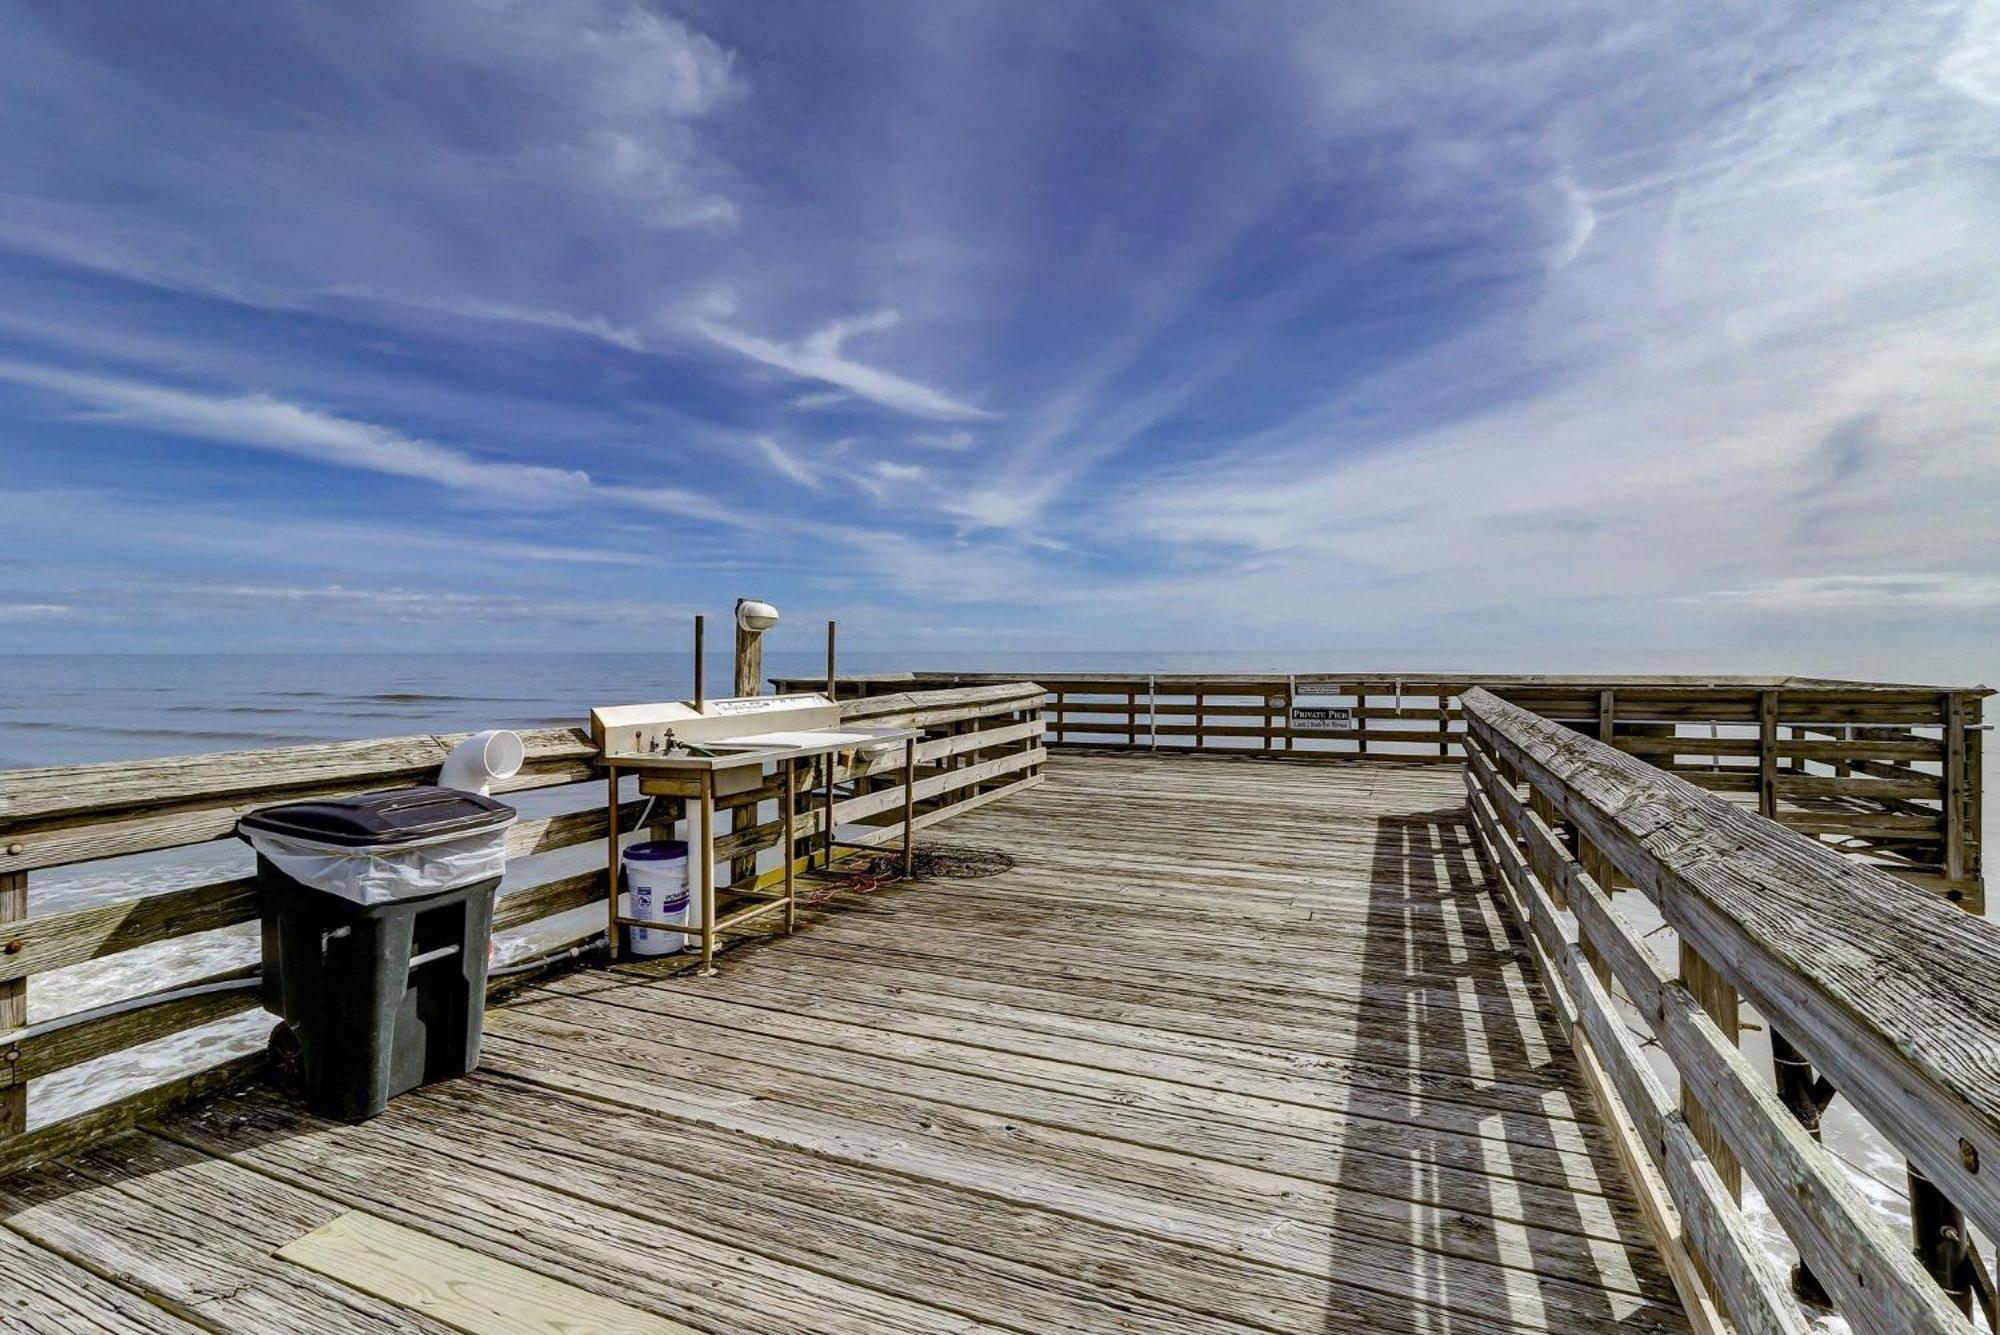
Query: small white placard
<point x="1322" y="718"/>
<point x="760" y="704"/>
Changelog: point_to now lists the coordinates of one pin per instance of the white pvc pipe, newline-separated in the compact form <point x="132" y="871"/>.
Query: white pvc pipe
<point x="477" y="761"/>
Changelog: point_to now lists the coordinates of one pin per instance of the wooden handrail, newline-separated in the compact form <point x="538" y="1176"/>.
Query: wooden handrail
<point x="1891" y="768"/>
<point x="1892" y="995"/>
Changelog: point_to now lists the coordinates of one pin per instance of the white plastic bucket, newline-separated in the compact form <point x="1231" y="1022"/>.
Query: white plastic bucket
<point x="656" y="890"/>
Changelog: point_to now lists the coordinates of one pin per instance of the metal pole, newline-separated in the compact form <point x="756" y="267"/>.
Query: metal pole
<point x="697" y="661"/>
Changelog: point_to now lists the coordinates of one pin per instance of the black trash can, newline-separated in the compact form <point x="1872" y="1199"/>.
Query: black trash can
<point x="377" y="913"/>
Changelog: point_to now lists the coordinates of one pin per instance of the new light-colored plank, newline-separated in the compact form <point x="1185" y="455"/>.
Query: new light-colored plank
<point x="464" y="1289"/>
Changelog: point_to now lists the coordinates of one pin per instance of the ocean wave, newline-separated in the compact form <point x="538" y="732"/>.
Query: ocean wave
<point x="232" y="709"/>
<point x="422" y="698"/>
<point x="193" y="734"/>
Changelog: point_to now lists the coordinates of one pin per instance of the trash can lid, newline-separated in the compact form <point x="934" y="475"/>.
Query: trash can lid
<point x="656" y="850"/>
<point x="380" y="820"/>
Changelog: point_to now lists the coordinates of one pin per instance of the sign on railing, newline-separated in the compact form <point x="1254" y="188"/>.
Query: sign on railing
<point x="1321" y="718"/>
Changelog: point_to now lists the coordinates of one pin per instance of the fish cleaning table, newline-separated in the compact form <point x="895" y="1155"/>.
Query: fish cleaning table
<point x="703" y="750"/>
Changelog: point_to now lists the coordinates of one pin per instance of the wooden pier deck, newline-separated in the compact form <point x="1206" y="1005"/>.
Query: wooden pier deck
<point x="1235" y="1046"/>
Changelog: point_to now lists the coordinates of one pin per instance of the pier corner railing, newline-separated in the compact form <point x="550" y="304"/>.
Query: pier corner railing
<point x="980" y="744"/>
<point x="1887" y="772"/>
<point x="1873" y="992"/>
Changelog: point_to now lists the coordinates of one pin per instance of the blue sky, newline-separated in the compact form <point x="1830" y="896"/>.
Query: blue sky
<point x="1441" y="329"/>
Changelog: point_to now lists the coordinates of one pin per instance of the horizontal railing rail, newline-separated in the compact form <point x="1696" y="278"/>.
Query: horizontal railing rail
<point x="1888" y="772"/>
<point x="980" y="744"/>
<point x="1871" y="989"/>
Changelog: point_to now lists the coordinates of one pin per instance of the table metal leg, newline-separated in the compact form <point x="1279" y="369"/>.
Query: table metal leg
<point x="829" y="760"/>
<point x="611" y="928"/>
<point x="791" y="890"/>
<point x="707" y="874"/>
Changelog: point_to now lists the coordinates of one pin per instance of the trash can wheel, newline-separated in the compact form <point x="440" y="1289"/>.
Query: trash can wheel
<point x="285" y="1062"/>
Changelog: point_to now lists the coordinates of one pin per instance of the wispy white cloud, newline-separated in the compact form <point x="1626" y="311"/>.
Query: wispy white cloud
<point x="372" y="604"/>
<point x="821" y="398"/>
<point x="1972" y="65"/>
<point x="1915" y="593"/>
<point x="821" y="356"/>
<point x="34" y="611"/>
<point x="948" y="440"/>
<point x="1582" y="225"/>
<point x="259" y="421"/>
<point x="787" y="463"/>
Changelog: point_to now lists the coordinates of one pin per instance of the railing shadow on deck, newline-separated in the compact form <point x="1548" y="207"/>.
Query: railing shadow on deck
<point x="1432" y="937"/>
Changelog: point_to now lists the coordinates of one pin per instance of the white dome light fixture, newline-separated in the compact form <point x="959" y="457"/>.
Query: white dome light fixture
<point x="754" y="616"/>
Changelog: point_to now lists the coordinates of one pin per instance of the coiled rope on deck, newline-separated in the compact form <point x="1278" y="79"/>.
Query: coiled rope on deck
<point x="870" y="872"/>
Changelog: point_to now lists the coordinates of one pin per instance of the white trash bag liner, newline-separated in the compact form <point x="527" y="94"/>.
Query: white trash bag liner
<point x="396" y="871"/>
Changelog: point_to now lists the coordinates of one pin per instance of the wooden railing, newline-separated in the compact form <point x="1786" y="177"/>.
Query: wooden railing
<point x="1888" y="996"/>
<point x="982" y="743"/>
<point x="1888" y="772"/>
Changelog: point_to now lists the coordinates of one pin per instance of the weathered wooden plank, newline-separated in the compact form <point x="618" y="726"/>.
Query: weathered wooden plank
<point x="1852" y="1250"/>
<point x="919" y="1239"/>
<point x="89" y="835"/>
<point x="196" y="1233"/>
<point x="45" y="1294"/>
<point x="46" y="1053"/>
<point x="1037" y="1164"/>
<point x="990" y="697"/>
<point x="89" y="1128"/>
<point x="1198" y="1109"/>
<point x="811" y="1217"/>
<point x="77" y="791"/>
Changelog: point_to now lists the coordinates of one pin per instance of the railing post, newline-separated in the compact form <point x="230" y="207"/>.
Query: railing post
<point x="1767" y="754"/>
<point x="1806" y="1093"/>
<point x="13" y="1005"/>
<point x="1954" y="787"/>
<point x="1131" y="718"/>
<point x="1715" y="996"/>
<point x="1599" y="868"/>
